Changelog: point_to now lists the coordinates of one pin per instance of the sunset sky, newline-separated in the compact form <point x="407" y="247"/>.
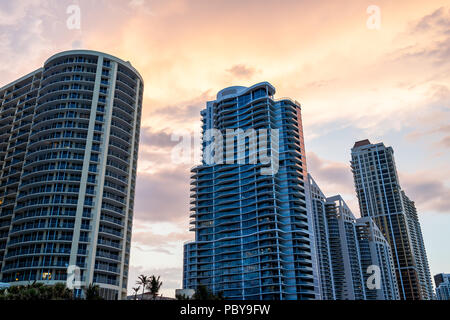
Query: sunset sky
<point x="390" y="84"/>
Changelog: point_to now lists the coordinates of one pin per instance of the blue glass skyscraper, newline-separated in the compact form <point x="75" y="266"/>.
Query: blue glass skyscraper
<point x="253" y="229"/>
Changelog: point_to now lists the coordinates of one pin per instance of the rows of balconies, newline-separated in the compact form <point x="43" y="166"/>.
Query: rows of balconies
<point x="51" y="177"/>
<point x="123" y="111"/>
<point x="103" y="242"/>
<point x="58" y="147"/>
<point x="57" y="135"/>
<point x="40" y="238"/>
<point x="69" y="110"/>
<point x="244" y="113"/>
<point x="241" y="101"/>
<point x="15" y="90"/>
<point x="115" y="189"/>
<point x="119" y="178"/>
<point x="260" y="123"/>
<point x="128" y="74"/>
<point x="105" y="280"/>
<point x="110" y="231"/>
<point x="121" y="97"/>
<point x="122" y="121"/>
<point x="233" y="182"/>
<point x="18" y="265"/>
<point x="124" y="157"/>
<point x="117" y="166"/>
<point x="54" y="200"/>
<point x="121" y="80"/>
<point x="121" y="126"/>
<point x="128" y="97"/>
<point x="61" y="166"/>
<point x="40" y="251"/>
<point x="64" y="88"/>
<point x="36" y="226"/>
<point x="72" y="79"/>
<point x="263" y="111"/>
<point x="51" y="156"/>
<point x="71" y="115"/>
<point x="27" y="96"/>
<point x="74" y="97"/>
<point x="45" y="213"/>
<point x="68" y="68"/>
<point x="112" y="268"/>
<point x="70" y="60"/>
<point x="107" y="255"/>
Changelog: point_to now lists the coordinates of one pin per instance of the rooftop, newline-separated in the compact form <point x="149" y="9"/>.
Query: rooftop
<point x="361" y="143"/>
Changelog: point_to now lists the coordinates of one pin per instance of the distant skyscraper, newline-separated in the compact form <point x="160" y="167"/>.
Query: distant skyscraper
<point x="323" y="250"/>
<point x="442" y="282"/>
<point x="69" y="135"/>
<point x="418" y="245"/>
<point x="441" y="277"/>
<point x="253" y="231"/>
<point x="376" y="256"/>
<point x="379" y="194"/>
<point x="345" y="256"/>
<point x="349" y="251"/>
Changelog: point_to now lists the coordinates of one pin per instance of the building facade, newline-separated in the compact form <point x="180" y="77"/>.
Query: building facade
<point x="253" y="230"/>
<point x="376" y="259"/>
<point x="69" y="135"/>
<point x="350" y="252"/>
<point x="322" y="238"/>
<point x="379" y="194"/>
<point x="345" y="255"/>
<point x="420" y="254"/>
<point x="442" y="282"/>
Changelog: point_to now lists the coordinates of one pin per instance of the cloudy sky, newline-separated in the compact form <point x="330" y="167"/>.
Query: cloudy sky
<point x="390" y="84"/>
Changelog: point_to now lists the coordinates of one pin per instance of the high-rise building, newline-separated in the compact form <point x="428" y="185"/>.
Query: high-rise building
<point x="351" y="252"/>
<point x="253" y="230"/>
<point x="441" y="277"/>
<point x="418" y="246"/>
<point x="345" y="256"/>
<point x="69" y="135"/>
<point x="376" y="260"/>
<point x="442" y="282"/>
<point x="379" y="194"/>
<point x="322" y="238"/>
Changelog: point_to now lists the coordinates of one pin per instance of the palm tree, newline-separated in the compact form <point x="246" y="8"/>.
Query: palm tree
<point x="143" y="281"/>
<point x="203" y="293"/>
<point x="3" y="294"/>
<point x="136" y="290"/>
<point x="92" y="292"/>
<point x="154" y="285"/>
<point x="37" y="291"/>
<point x="61" y="292"/>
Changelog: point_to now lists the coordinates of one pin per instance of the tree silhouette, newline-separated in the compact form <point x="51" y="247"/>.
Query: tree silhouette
<point x="143" y="281"/>
<point x="154" y="286"/>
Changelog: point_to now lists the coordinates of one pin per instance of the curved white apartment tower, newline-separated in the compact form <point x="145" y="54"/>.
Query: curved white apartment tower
<point x="69" y="135"/>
